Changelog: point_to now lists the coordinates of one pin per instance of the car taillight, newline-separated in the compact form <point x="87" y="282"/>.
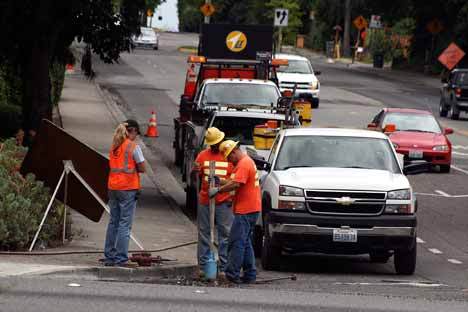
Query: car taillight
<point x="458" y="92"/>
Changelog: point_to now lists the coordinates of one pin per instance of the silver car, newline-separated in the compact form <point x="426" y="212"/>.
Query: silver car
<point x="148" y="39"/>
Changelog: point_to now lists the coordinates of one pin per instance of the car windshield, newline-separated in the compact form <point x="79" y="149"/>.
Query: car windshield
<point x="238" y="128"/>
<point x="240" y="94"/>
<point x="297" y="67"/>
<point x="412" y="122"/>
<point x="336" y="152"/>
<point x="147" y="32"/>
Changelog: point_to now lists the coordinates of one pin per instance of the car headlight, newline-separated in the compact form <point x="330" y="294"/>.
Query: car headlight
<point x="399" y="195"/>
<point x="398" y="209"/>
<point x="291" y="205"/>
<point x="290" y="191"/>
<point x="440" y="148"/>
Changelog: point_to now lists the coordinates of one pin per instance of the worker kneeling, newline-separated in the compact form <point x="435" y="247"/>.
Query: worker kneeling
<point x="223" y="202"/>
<point x="247" y="207"/>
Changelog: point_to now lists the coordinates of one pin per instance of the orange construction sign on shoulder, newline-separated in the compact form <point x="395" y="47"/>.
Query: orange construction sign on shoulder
<point x="451" y="56"/>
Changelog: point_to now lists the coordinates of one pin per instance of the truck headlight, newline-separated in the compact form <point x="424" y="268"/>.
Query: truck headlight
<point x="314" y="85"/>
<point x="440" y="148"/>
<point x="398" y="209"/>
<point x="399" y="194"/>
<point x="291" y="205"/>
<point x="290" y="191"/>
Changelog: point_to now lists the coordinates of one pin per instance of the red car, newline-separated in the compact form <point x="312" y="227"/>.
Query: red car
<point x="416" y="134"/>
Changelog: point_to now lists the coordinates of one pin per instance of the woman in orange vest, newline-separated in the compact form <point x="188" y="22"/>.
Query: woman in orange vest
<point x="126" y="163"/>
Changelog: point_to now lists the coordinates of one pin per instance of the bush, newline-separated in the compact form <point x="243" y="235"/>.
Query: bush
<point x="23" y="201"/>
<point x="57" y="77"/>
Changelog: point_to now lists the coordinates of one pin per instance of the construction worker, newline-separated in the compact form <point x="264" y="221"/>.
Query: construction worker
<point x="223" y="210"/>
<point x="126" y="163"/>
<point x="247" y="207"/>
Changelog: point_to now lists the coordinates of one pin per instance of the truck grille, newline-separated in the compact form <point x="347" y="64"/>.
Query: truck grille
<point x="290" y="85"/>
<point x="345" y="202"/>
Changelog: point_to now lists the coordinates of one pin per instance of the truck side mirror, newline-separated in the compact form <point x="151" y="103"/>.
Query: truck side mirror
<point x="262" y="164"/>
<point x="317" y="73"/>
<point x="448" y="131"/>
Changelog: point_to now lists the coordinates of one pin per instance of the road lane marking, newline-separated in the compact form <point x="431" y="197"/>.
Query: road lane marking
<point x="429" y="194"/>
<point x="443" y="193"/>
<point x="454" y="261"/>
<point x="459" y="169"/>
<point x="419" y="241"/>
<point x="458" y="153"/>
<point x="460" y="147"/>
<point x="395" y="283"/>
<point x="435" y="251"/>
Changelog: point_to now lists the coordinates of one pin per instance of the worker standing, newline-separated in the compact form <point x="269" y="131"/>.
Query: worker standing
<point x="223" y="209"/>
<point x="247" y="207"/>
<point x="126" y="163"/>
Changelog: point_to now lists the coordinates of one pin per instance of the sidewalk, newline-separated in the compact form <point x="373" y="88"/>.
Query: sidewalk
<point x="158" y="223"/>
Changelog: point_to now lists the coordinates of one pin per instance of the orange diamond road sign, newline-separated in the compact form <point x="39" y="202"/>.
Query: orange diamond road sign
<point x="207" y="9"/>
<point x="360" y="22"/>
<point x="451" y="56"/>
<point x="434" y="27"/>
<point x="149" y="13"/>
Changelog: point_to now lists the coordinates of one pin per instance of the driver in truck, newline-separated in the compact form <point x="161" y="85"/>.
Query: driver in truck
<point x="223" y="210"/>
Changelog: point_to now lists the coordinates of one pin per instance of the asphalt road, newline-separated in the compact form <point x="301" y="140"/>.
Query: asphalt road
<point x="145" y="80"/>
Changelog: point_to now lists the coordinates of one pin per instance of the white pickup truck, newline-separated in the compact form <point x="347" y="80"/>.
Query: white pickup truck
<point x="337" y="191"/>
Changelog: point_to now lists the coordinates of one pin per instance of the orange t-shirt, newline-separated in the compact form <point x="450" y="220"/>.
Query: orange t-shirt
<point x="223" y="170"/>
<point x="247" y="198"/>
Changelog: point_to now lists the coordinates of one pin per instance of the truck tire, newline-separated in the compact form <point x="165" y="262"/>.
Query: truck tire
<point x="271" y="252"/>
<point x="316" y="103"/>
<point x="405" y="260"/>
<point x="454" y="112"/>
<point x="443" y="111"/>
<point x="379" y="256"/>
<point x="445" y="168"/>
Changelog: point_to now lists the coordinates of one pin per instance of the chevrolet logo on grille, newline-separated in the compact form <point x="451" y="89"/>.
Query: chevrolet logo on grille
<point x="345" y="201"/>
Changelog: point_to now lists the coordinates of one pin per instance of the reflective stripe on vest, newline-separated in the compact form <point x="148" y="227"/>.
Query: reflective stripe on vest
<point x="128" y="153"/>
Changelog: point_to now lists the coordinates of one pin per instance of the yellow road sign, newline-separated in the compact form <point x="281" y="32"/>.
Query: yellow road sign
<point x="236" y="41"/>
<point x="360" y="22"/>
<point x="434" y="26"/>
<point x="207" y="9"/>
<point x="149" y="13"/>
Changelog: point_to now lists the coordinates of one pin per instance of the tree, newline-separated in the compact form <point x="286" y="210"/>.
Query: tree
<point x="36" y="33"/>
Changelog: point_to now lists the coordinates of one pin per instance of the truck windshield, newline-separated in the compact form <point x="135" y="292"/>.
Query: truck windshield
<point x="240" y="94"/>
<point x="296" y="67"/>
<point x="238" y="128"/>
<point x="412" y="122"/>
<point x="336" y="152"/>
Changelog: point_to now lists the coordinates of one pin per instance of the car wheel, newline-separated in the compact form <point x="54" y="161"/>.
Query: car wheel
<point x="454" y="112"/>
<point x="379" y="256"/>
<point x="271" y="252"/>
<point x="442" y="109"/>
<point x="445" y="168"/>
<point x="257" y="241"/>
<point x="405" y="260"/>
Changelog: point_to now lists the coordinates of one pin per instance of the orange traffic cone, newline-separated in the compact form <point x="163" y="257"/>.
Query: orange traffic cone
<point x="152" y="130"/>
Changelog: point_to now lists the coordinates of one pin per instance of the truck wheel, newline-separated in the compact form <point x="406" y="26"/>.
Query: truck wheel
<point x="271" y="252"/>
<point x="405" y="260"/>
<point x="445" y="168"/>
<point x="454" y="112"/>
<point x="257" y="241"/>
<point x="191" y="200"/>
<point x="316" y="104"/>
<point x="379" y="256"/>
<point x="443" y="111"/>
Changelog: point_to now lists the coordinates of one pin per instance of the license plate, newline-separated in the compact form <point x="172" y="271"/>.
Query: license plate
<point x="415" y="154"/>
<point x="345" y="235"/>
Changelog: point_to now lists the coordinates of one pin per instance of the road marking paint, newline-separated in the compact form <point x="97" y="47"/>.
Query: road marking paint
<point x="460" y="147"/>
<point x="435" y="251"/>
<point x="458" y="153"/>
<point x="429" y="194"/>
<point x="459" y="169"/>
<point x="396" y="283"/>
<point x="454" y="261"/>
<point x="419" y="241"/>
<point x="443" y="193"/>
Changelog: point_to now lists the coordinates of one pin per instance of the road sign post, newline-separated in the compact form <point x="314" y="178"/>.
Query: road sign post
<point x="281" y="20"/>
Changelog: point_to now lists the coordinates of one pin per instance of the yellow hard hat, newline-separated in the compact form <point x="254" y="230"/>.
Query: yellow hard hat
<point x="213" y="136"/>
<point x="227" y="146"/>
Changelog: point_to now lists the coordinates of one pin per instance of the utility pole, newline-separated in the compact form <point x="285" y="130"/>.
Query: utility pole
<point x="207" y="18"/>
<point x="347" y="28"/>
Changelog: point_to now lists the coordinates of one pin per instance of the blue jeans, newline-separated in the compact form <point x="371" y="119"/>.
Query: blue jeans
<point x="240" y="250"/>
<point x="223" y="221"/>
<point x="122" y="208"/>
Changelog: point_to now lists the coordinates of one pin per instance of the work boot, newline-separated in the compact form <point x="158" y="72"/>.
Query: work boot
<point x="222" y="279"/>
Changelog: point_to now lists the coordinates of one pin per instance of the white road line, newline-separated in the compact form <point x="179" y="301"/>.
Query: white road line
<point x="460" y="147"/>
<point x="459" y="169"/>
<point x="454" y="261"/>
<point x="458" y="153"/>
<point x="419" y="241"/>
<point x="443" y="193"/>
<point x="435" y="251"/>
<point x="429" y="194"/>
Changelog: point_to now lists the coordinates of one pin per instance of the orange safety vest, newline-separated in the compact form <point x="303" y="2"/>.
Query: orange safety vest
<point x="123" y="175"/>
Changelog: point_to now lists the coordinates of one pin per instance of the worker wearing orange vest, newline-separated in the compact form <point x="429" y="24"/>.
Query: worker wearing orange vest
<point x="247" y="207"/>
<point x="223" y="210"/>
<point x="126" y="163"/>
